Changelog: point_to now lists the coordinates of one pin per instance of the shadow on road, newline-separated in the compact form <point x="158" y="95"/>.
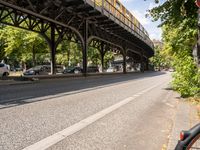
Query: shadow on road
<point x="15" y="95"/>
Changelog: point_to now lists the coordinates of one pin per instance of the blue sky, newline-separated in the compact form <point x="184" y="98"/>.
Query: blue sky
<point x="139" y="8"/>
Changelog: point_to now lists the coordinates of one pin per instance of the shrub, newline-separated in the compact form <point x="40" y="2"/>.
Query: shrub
<point x="186" y="79"/>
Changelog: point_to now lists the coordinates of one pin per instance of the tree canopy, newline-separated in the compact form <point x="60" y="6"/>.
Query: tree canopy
<point x="179" y="26"/>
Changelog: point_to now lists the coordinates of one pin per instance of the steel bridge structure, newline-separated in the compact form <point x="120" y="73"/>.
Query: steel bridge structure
<point x="96" y="23"/>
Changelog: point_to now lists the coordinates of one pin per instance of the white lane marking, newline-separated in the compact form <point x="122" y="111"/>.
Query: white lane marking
<point x="59" y="136"/>
<point x="137" y="95"/>
<point x="17" y="99"/>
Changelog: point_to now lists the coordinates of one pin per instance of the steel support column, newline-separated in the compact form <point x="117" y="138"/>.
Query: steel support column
<point x="85" y="46"/>
<point x="124" y="61"/>
<point x="102" y="53"/>
<point x="147" y="64"/>
<point x="142" y="63"/>
<point x="53" y="49"/>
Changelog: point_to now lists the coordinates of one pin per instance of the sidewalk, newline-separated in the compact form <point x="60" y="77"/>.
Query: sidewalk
<point x="185" y="118"/>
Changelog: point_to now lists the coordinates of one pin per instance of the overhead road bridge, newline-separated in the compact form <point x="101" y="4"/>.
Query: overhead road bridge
<point x="104" y="24"/>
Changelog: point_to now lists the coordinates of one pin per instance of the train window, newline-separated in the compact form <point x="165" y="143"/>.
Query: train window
<point x="123" y="10"/>
<point x="118" y="4"/>
<point x="127" y="14"/>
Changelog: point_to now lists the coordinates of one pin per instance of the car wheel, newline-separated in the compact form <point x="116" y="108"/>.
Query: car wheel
<point x="76" y="71"/>
<point x="5" y="74"/>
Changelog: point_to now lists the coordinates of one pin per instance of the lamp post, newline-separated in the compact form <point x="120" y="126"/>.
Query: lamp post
<point x="198" y="39"/>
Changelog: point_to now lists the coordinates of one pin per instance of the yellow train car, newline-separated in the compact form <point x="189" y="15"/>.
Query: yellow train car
<point x="127" y="17"/>
<point x="119" y="11"/>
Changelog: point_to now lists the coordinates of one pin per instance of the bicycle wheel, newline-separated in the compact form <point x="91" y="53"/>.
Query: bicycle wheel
<point x="195" y="143"/>
<point x="189" y="140"/>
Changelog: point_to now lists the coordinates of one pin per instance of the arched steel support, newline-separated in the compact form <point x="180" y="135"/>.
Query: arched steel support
<point x="31" y="21"/>
<point x="103" y="40"/>
<point x="103" y="50"/>
<point x="54" y="41"/>
<point x="133" y="51"/>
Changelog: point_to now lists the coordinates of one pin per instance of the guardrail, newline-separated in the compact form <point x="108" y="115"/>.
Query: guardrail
<point x="129" y="22"/>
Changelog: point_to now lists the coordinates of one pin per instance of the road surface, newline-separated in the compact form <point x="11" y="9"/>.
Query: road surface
<point x="120" y="112"/>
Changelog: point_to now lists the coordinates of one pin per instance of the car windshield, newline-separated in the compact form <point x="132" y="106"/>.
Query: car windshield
<point x="69" y="68"/>
<point x="36" y="68"/>
<point x="1" y="65"/>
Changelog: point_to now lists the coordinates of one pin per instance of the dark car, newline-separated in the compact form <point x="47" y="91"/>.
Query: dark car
<point x="38" y="70"/>
<point x="75" y="70"/>
<point x="92" y="69"/>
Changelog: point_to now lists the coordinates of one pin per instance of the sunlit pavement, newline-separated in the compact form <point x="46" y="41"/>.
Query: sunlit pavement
<point x="133" y="111"/>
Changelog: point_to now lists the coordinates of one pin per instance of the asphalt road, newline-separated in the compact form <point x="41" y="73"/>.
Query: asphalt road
<point x="132" y="112"/>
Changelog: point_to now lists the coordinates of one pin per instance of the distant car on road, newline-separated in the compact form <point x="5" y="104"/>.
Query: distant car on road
<point x="92" y="69"/>
<point x="171" y="70"/>
<point x="75" y="70"/>
<point x="38" y="70"/>
<point x="4" y="72"/>
<point x="111" y="69"/>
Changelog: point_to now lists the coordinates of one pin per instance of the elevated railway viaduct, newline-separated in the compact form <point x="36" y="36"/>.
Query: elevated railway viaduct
<point x="104" y="24"/>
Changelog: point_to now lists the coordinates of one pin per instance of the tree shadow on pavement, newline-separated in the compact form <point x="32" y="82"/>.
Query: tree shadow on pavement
<point x="15" y="95"/>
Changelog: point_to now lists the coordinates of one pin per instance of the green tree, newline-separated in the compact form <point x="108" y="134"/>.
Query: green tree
<point x="179" y="25"/>
<point x="69" y="53"/>
<point x="22" y="46"/>
<point x="158" y="59"/>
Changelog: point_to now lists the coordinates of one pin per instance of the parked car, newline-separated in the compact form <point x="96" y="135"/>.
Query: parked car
<point x="4" y="72"/>
<point x="38" y="70"/>
<point x="111" y="69"/>
<point x="92" y="69"/>
<point x="75" y="70"/>
<point x="59" y="69"/>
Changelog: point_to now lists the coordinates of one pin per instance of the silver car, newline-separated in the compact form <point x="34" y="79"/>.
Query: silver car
<point x="4" y="72"/>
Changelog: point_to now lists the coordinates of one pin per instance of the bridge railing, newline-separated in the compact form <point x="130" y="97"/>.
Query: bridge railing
<point x="128" y="21"/>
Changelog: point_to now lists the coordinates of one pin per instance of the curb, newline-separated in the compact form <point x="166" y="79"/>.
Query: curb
<point x="17" y="83"/>
<point x="38" y="78"/>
